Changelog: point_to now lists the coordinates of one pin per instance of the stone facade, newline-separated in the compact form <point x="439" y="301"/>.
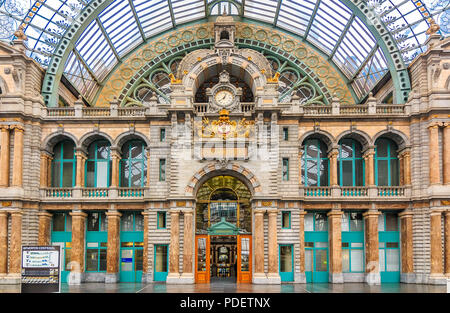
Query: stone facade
<point x="420" y="128"/>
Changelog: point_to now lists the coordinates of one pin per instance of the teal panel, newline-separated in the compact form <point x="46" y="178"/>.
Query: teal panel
<point x="97" y="236"/>
<point x="286" y="276"/>
<point x="313" y="236"/>
<point x="132" y="236"/>
<point x="389" y="236"/>
<point x="390" y="277"/>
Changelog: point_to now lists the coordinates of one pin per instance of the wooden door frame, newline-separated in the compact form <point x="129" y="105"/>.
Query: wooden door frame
<point x="239" y="278"/>
<point x="208" y="258"/>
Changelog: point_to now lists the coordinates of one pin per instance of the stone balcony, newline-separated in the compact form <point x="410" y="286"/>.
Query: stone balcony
<point x="96" y="194"/>
<point x="356" y="193"/>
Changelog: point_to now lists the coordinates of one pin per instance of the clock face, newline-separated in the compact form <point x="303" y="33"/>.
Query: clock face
<point x="224" y="97"/>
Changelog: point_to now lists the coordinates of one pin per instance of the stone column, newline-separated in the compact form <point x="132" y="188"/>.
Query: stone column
<point x="273" y="275"/>
<point x="45" y="178"/>
<point x="147" y="150"/>
<point x="434" y="154"/>
<point x="113" y="247"/>
<point x="188" y="247"/>
<point x="302" y="276"/>
<point x="4" y="156"/>
<point x="15" y="244"/>
<point x="145" y="252"/>
<point x="81" y="158"/>
<point x="115" y="168"/>
<point x="372" y="247"/>
<point x="446" y="153"/>
<point x="17" y="174"/>
<point x="45" y="219"/>
<point x="335" y="238"/>
<point x="407" y="270"/>
<point x="3" y="243"/>
<point x="436" y="243"/>
<point x="174" y="248"/>
<point x="259" y="275"/>
<point x="78" y="243"/>
<point x="333" y="156"/>
<point x="405" y="167"/>
<point x="369" y="166"/>
<point x="447" y="243"/>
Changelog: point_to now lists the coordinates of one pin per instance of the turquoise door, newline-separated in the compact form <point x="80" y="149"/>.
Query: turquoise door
<point x="316" y="248"/>
<point x="286" y="262"/>
<point x="389" y="248"/>
<point x="161" y="262"/>
<point x="61" y="235"/>
<point x="131" y="261"/>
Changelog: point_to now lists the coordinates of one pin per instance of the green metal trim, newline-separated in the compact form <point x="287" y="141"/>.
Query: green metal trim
<point x="382" y="35"/>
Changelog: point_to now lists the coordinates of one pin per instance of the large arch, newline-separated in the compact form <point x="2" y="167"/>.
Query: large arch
<point x="216" y="169"/>
<point x="362" y="137"/>
<point x="129" y="135"/>
<point x="92" y="136"/>
<point x="53" y="139"/>
<point x="396" y="136"/>
<point x="91" y="11"/>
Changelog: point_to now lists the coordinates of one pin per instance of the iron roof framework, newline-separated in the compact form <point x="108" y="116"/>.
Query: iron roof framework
<point x="86" y="39"/>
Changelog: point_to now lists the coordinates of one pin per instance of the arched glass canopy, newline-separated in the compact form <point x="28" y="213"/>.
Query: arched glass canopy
<point x="93" y="36"/>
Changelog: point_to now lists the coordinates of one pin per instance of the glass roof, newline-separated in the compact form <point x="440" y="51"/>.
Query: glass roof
<point x="330" y="25"/>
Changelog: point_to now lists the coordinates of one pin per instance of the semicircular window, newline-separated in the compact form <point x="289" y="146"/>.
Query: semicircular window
<point x="306" y="93"/>
<point x="161" y="80"/>
<point x="286" y="82"/>
<point x="144" y="94"/>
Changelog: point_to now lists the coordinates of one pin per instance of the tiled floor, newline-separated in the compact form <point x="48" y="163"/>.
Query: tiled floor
<point x="228" y="287"/>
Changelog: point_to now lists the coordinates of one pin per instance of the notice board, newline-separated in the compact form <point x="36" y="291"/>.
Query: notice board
<point x="40" y="269"/>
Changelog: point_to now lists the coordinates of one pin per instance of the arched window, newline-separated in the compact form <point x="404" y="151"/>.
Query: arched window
<point x="386" y="163"/>
<point x="63" y="164"/>
<point x="98" y="165"/>
<point x="351" y="164"/>
<point x="315" y="163"/>
<point x="133" y="166"/>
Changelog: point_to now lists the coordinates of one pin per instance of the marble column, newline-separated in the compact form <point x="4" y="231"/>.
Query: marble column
<point x="115" y="168"/>
<point x="113" y="247"/>
<point x="372" y="247"/>
<point x="81" y="158"/>
<point x="188" y="247"/>
<point x="45" y="168"/>
<point x="433" y="154"/>
<point x="273" y="274"/>
<point x="406" y="233"/>
<point x="447" y="243"/>
<point x="436" y="243"/>
<point x="4" y="156"/>
<point x="446" y="153"/>
<point x="174" y="248"/>
<point x="259" y="276"/>
<point x="17" y="175"/>
<point x="147" y="151"/>
<point x="302" y="276"/>
<point x="3" y="243"/>
<point x="369" y="166"/>
<point x="333" y="156"/>
<point x="335" y="238"/>
<point x="15" y="244"/>
<point x="78" y="244"/>
<point x="145" y="252"/>
<point x="45" y="219"/>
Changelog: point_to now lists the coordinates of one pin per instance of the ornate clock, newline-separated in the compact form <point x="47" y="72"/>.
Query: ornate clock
<point x="223" y="95"/>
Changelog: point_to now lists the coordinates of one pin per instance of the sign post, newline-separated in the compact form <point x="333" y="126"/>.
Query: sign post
<point x="40" y="269"/>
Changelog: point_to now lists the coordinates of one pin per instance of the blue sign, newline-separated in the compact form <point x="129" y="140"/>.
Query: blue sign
<point x="127" y="260"/>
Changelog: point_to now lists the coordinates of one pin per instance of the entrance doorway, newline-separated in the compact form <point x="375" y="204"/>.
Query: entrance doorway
<point x="223" y="254"/>
<point x="223" y="258"/>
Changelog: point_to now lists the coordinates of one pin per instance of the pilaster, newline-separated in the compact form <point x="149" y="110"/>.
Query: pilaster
<point x="78" y="244"/>
<point x="4" y="156"/>
<point x="174" y="251"/>
<point x="372" y="246"/>
<point x="15" y="244"/>
<point x="273" y="276"/>
<point x="437" y="270"/>
<point x="45" y="219"/>
<point x="407" y="258"/>
<point x="335" y="239"/>
<point x="3" y="243"/>
<point x="17" y="175"/>
<point x="113" y="247"/>
<point x="187" y="276"/>
<point x="434" y="154"/>
<point x="259" y="275"/>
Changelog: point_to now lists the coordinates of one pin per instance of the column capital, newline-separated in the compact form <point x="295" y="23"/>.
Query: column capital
<point x="302" y="212"/>
<point x="3" y="212"/>
<point x="4" y="127"/>
<point x="80" y="152"/>
<point x="447" y="213"/>
<point x="174" y="211"/>
<point x="369" y="152"/>
<point x="78" y="213"/>
<point x="371" y="213"/>
<point x="45" y="214"/>
<point x="434" y="212"/>
<point x="188" y="211"/>
<point x="272" y="211"/>
<point x="446" y="124"/>
<point x="433" y="125"/>
<point x="333" y="152"/>
<point x="335" y="213"/>
<point x="406" y="214"/>
<point x="17" y="127"/>
<point x="259" y="211"/>
<point x="14" y="212"/>
<point x="113" y="213"/>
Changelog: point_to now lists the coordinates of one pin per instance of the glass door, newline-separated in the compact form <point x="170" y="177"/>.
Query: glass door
<point x="286" y="263"/>
<point x="316" y="247"/>
<point x="244" y="266"/>
<point x="131" y="262"/>
<point x="202" y="259"/>
<point x="161" y="262"/>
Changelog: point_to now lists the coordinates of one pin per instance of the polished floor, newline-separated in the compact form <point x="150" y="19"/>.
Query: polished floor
<point x="230" y="287"/>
